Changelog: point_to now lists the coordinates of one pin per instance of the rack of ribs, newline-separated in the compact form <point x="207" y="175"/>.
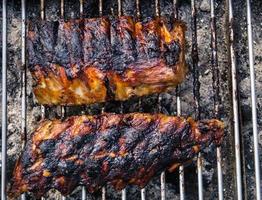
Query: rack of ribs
<point x="117" y="149"/>
<point x="85" y="61"/>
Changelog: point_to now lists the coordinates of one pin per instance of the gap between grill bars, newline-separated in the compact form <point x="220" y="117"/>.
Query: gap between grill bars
<point x="235" y="104"/>
<point x="253" y="100"/>
<point x="216" y="90"/>
<point x="196" y="92"/>
<point x="216" y="101"/>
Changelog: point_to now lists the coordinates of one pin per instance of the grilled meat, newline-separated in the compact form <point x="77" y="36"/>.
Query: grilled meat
<point x="119" y="149"/>
<point x="96" y="60"/>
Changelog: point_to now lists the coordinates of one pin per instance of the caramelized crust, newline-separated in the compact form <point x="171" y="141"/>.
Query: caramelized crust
<point x="117" y="149"/>
<point x="96" y="60"/>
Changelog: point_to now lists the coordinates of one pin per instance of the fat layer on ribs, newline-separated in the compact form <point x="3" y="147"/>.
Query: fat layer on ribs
<point x="95" y="60"/>
<point x="117" y="149"/>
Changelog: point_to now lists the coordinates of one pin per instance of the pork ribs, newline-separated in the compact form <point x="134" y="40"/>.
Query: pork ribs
<point x="117" y="149"/>
<point x="85" y="61"/>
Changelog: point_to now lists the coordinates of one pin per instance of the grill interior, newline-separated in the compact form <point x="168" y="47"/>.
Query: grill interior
<point x="219" y="46"/>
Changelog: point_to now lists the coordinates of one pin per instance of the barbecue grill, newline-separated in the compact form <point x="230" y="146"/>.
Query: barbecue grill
<point x="230" y="178"/>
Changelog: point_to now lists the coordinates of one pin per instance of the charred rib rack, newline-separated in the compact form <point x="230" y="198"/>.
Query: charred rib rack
<point x="119" y="149"/>
<point x="85" y="61"/>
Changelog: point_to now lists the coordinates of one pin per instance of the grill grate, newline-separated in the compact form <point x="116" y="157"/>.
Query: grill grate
<point x="196" y="92"/>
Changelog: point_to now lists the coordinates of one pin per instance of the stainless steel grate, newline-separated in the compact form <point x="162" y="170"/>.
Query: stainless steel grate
<point x="196" y="88"/>
<point x="235" y="106"/>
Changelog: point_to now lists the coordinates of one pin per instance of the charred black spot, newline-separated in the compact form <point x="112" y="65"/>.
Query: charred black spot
<point x="97" y="49"/>
<point x="171" y="53"/>
<point x="109" y="90"/>
<point x="47" y="146"/>
<point x="122" y="44"/>
<point x="68" y="168"/>
<point x="50" y="163"/>
<point x="26" y="159"/>
<point x="203" y="127"/>
<point x="79" y="142"/>
<point x="40" y="46"/>
<point x="186" y="138"/>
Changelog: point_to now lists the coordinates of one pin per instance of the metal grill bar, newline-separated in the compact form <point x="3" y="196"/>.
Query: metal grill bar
<point x="62" y="8"/>
<point x="104" y="193"/>
<point x="235" y="102"/>
<point x="119" y="4"/>
<point x="42" y="111"/>
<point x="157" y="8"/>
<point x="83" y="193"/>
<point x="175" y="9"/>
<point x="253" y="100"/>
<point x="123" y="194"/>
<point x="219" y="174"/>
<point x="100" y="8"/>
<point x="42" y="11"/>
<point x="42" y="7"/>
<point x="143" y="194"/>
<point x="163" y="185"/>
<point x="4" y="101"/>
<point x="181" y="168"/>
<point x="81" y="10"/>
<point x="181" y="182"/>
<point x="138" y="13"/>
<point x="23" y="75"/>
<point x="215" y="72"/>
<point x="200" y="176"/>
